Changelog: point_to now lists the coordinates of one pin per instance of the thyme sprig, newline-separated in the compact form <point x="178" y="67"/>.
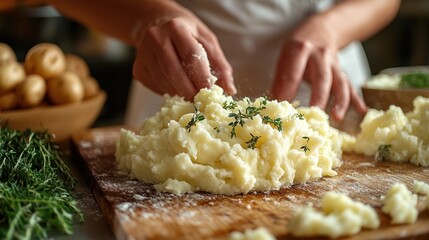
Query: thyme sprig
<point x="249" y="113"/>
<point x="35" y="187"/>
<point x="277" y="122"/>
<point x="300" y="116"/>
<point x="238" y="120"/>
<point x="252" y="142"/>
<point x="229" y="105"/>
<point x="305" y="147"/>
<point x="197" y="117"/>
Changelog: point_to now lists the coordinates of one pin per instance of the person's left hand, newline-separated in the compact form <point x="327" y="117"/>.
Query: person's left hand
<point x="310" y="53"/>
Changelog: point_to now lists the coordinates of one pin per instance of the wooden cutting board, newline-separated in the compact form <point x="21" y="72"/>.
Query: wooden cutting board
<point x="135" y="210"/>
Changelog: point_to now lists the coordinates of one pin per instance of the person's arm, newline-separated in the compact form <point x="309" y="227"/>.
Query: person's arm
<point x="353" y="20"/>
<point x="167" y="39"/>
<point x="310" y="52"/>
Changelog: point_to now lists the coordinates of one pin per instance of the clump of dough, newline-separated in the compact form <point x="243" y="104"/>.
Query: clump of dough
<point x="395" y="136"/>
<point x="340" y="216"/>
<point x="180" y="151"/>
<point x="260" y="233"/>
<point x="400" y="204"/>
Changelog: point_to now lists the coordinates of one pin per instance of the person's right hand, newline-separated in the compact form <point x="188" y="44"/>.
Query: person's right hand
<point x="175" y="53"/>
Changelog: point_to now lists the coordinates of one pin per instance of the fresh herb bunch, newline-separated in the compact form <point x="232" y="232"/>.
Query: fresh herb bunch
<point x="414" y="80"/>
<point x="34" y="187"/>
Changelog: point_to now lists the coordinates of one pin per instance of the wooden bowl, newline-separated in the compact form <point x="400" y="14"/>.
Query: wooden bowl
<point x="60" y="120"/>
<point x="381" y="99"/>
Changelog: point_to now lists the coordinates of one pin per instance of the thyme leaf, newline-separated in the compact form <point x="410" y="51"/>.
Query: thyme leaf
<point x="300" y="116"/>
<point x="305" y="147"/>
<point x="229" y="105"/>
<point x="252" y="142"/>
<point x="277" y="122"/>
<point x="383" y="152"/>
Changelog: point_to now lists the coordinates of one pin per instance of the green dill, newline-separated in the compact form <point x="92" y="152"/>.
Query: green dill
<point x="305" y="147"/>
<point x="35" y="187"/>
<point x="277" y="122"/>
<point x="383" y="152"/>
<point x="300" y="116"/>
<point x="252" y="142"/>
<point x="197" y="117"/>
<point x="229" y="105"/>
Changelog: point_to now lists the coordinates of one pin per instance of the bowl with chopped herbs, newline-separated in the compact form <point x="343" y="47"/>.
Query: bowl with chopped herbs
<point x="396" y="86"/>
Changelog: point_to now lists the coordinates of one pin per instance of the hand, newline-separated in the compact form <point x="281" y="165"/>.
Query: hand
<point x="173" y="56"/>
<point x="310" y="53"/>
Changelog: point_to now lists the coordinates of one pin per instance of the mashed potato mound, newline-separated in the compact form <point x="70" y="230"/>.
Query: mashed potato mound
<point x="224" y="146"/>
<point x="395" y="136"/>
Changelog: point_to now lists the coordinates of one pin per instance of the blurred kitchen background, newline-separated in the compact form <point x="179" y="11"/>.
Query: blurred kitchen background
<point x="404" y="42"/>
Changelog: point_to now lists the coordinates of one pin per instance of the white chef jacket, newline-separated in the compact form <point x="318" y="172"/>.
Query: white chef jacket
<point x="251" y="34"/>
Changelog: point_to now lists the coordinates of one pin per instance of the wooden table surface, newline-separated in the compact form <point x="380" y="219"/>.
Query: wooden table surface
<point x="134" y="210"/>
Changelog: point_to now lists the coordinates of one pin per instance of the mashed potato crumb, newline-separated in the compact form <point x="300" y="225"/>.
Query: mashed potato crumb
<point x="400" y="204"/>
<point x="260" y="233"/>
<point x="340" y="216"/>
<point x="420" y="187"/>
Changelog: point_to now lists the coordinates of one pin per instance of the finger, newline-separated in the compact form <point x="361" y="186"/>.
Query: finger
<point x="194" y="59"/>
<point x="160" y="79"/>
<point x="357" y="100"/>
<point x="341" y="93"/>
<point x="289" y="73"/>
<point x="320" y="77"/>
<point x="218" y="63"/>
<point x="168" y="62"/>
<point x="141" y="73"/>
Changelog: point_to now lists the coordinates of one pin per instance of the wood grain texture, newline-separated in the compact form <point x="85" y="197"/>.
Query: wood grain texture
<point x="135" y="210"/>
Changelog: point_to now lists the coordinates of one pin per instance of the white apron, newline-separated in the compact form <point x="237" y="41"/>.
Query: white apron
<point x="251" y="34"/>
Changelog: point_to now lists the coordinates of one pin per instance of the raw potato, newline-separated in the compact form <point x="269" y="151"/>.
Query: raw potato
<point x="46" y="60"/>
<point x="77" y="65"/>
<point x="67" y="88"/>
<point x="91" y="87"/>
<point x="31" y="91"/>
<point x="8" y="101"/>
<point x="6" y="54"/>
<point x="11" y="74"/>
